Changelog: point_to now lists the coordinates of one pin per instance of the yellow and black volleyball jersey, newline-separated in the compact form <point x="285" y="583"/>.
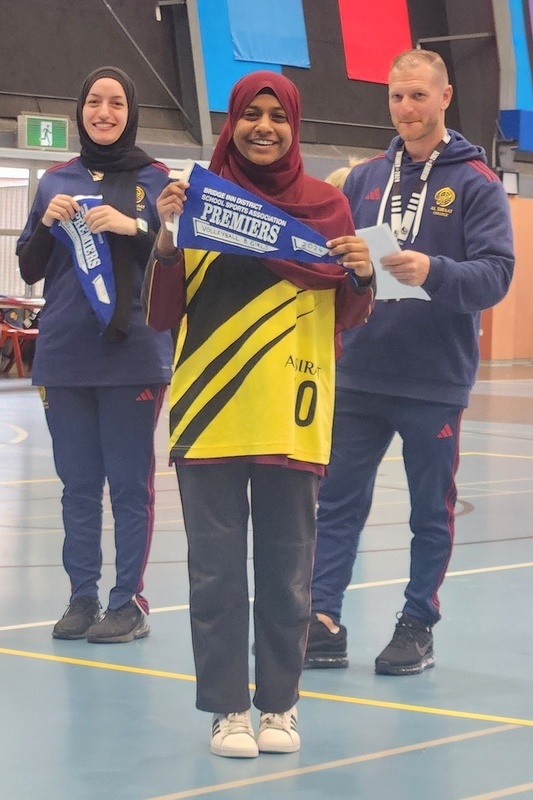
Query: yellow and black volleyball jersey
<point x="255" y="365"/>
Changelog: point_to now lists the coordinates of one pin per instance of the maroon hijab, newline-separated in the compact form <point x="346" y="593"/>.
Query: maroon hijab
<point x="284" y="183"/>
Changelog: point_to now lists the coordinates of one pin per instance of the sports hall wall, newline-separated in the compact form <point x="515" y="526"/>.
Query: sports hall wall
<point x="507" y="329"/>
<point x="337" y="53"/>
<point x="342" y="49"/>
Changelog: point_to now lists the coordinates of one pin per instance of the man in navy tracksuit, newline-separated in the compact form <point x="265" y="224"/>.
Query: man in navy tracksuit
<point x="410" y="369"/>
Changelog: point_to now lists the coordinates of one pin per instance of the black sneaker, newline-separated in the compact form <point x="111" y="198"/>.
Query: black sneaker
<point x="325" y="650"/>
<point x="121" y="625"/>
<point x="410" y="650"/>
<point x="80" y="615"/>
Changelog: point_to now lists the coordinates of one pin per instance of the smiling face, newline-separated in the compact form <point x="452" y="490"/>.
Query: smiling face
<point x="418" y="98"/>
<point x="105" y="111"/>
<point x="263" y="134"/>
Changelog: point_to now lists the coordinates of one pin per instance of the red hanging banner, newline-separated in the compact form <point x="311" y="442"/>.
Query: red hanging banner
<point x="373" y="33"/>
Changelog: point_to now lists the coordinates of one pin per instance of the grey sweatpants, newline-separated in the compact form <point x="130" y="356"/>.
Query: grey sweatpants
<point x="216" y="507"/>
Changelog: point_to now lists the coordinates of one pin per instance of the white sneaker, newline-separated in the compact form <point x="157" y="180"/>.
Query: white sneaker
<point x="232" y="736"/>
<point x="278" y="733"/>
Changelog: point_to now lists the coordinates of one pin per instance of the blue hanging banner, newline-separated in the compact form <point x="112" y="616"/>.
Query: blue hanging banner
<point x="222" y="70"/>
<point x="272" y="32"/>
<point x="92" y="259"/>
<point x="220" y="216"/>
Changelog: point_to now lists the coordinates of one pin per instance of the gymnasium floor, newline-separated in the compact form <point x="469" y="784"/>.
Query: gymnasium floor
<point x="117" y="722"/>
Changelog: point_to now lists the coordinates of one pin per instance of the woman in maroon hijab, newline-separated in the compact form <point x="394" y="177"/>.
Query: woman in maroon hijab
<point x="251" y="412"/>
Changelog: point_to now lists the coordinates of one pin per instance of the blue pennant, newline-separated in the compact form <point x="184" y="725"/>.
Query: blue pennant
<point x="220" y="216"/>
<point x="92" y="259"/>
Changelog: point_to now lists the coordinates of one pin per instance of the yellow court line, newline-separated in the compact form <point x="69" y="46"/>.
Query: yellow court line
<point x="444" y="712"/>
<point x="29" y="480"/>
<point x="509" y="792"/>
<point x="440" y="712"/>
<point x="480" y="493"/>
<point x="109" y="511"/>
<point x="47" y="622"/>
<point x="82" y="662"/>
<point x="403" y="499"/>
<point x="171" y="472"/>
<point x="345" y="762"/>
<point x="479" y="489"/>
<point x="56" y="480"/>
<point x="470" y="453"/>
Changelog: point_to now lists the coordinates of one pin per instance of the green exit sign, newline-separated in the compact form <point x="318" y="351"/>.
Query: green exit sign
<point x="42" y="132"/>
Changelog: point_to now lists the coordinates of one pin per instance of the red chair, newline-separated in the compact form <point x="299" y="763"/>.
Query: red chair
<point x="16" y="336"/>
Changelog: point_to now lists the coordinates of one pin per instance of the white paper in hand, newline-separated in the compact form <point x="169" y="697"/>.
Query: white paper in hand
<point x="381" y="243"/>
<point x="178" y="175"/>
<point x="173" y="228"/>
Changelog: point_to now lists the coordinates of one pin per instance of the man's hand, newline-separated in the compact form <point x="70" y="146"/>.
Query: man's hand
<point x="408" y="267"/>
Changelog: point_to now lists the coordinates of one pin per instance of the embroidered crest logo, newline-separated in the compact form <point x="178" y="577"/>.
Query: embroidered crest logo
<point x="443" y="200"/>
<point x="444" y="197"/>
<point x="140" y="194"/>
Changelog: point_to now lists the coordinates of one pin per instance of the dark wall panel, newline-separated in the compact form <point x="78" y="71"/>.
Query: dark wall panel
<point x="428" y="19"/>
<point x="327" y="94"/>
<point x="472" y="63"/>
<point x="477" y="71"/>
<point x="49" y="46"/>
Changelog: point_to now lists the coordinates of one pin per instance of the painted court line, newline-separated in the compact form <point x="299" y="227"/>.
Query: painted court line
<point x="44" y="624"/>
<point x="368" y="585"/>
<point x="154" y="673"/>
<point x="167" y="473"/>
<point x="82" y="662"/>
<point x="509" y="792"/>
<point x="345" y="762"/>
<point x="485" y="486"/>
<point x="454" y="574"/>
<point x="20" y="435"/>
<point x="494" y="481"/>
<point x="439" y="712"/>
<point x="56" y="480"/>
<point x="497" y="455"/>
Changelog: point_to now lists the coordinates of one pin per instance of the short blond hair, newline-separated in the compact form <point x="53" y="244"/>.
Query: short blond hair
<point x="338" y="176"/>
<point x="413" y="58"/>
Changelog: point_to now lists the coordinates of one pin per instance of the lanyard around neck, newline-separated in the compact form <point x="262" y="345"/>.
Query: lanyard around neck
<point x="401" y="225"/>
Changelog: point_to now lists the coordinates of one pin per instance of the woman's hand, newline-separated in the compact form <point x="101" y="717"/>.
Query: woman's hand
<point x="169" y="202"/>
<point x="61" y="208"/>
<point x="101" y="219"/>
<point x="352" y="253"/>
